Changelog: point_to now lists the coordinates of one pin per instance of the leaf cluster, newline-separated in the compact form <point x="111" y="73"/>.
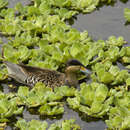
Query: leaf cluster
<point x="47" y="101"/>
<point x="37" y="125"/>
<point x="92" y="99"/>
<point x="8" y="106"/>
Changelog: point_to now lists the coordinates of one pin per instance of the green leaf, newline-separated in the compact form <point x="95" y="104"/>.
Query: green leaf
<point x="8" y="106"/>
<point x="126" y="59"/>
<point x="127" y="14"/>
<point x="9" y="53"/>
<point x="72" y="36"/>
<point x="23" y="91"/>
<point x="65" y="13"/>
<point x="3" y="106"/>
<point x="85" y="110"/>
<point x="74" y="50"/>
<point x="48" y="110"/>
<point x="106" y="77"/>
<point x="101" y="93"/>
<point x="19" y="111"/>
<point x="96" y="107"/>
<point x="65" y="125"/>
<point x="103" y="75"/>
<point x="19" y="7"/>
<point x="86" y="94"/>
<point x="121" y="77"/>
<point x="112" y="53"/>
<point x="127" y="51"/>
<point x="3" y="73"/>
<point x="128" y="66"/>
<point x="65" y="91"/>
<point x="33" y="124"/>
<point x="24" y="53"/>
<point x="128" y="82"/>
<point x="33" y="10"/>
<point x="45" y="7"/>
<point x="116" y="41"/>
<point x="114" y="70"/>
<point x="74" y="102"/>
<point x="21" y="123"/>
<point x="3" y="3"/>
<point x="116" y="120"/>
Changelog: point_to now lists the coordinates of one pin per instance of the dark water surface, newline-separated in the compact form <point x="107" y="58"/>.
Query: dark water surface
<point x="102" y="23"/>
<point x="107" y="21"/>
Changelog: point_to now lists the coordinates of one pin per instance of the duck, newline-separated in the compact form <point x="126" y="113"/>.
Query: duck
<point x="30" y="75"/>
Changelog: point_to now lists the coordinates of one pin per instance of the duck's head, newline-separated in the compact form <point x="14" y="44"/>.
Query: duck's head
<point x="73" y="67"/>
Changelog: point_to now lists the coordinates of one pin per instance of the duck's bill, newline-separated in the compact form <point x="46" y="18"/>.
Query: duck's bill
<point x="85" y="71"/>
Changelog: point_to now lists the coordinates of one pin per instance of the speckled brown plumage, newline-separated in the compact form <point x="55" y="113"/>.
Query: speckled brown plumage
<point x="31" y="75"/>
<point x="50" y="78"/>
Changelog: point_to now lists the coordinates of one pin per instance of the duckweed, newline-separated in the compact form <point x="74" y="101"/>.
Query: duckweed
<point x="39" y="36"/>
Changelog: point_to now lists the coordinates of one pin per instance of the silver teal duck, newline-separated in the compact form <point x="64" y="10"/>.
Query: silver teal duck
<point x="30" y="75"/>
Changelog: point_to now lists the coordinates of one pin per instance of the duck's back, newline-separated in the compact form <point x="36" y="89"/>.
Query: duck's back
<point x="50" y="78"/>
<point x="31" y="75"/>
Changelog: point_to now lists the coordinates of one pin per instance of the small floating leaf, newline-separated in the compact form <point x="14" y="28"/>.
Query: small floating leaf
<point x="127" y="14"/>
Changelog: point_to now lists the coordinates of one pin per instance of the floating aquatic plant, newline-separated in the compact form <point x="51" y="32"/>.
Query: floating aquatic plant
<point x="38" y="36"/>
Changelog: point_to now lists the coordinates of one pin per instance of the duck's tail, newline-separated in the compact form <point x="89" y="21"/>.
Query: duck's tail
<point x="14" y="70"/>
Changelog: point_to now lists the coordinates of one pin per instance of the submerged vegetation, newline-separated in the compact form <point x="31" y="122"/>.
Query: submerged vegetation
<point x="38" y="36"/>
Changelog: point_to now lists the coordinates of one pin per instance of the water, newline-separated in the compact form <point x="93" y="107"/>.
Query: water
<point x="107" y="21"/>
<point x="102" y="23"/>
<point x="12" y="3"/>
<point x="86" y="123"/>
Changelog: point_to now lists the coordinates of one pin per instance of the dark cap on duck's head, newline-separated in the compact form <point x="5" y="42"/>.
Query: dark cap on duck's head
<point x="74" y="62"/>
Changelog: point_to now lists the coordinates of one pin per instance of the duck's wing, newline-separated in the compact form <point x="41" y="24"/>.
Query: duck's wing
<point x="49" y="77"/>
<point x="35" y="70"/>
